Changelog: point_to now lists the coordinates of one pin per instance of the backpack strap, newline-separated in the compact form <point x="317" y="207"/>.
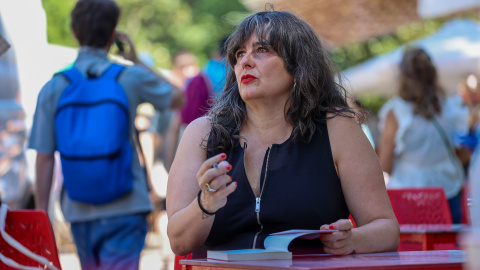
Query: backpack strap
<point x="113" y="71"/>
<point x="73" y="75"/>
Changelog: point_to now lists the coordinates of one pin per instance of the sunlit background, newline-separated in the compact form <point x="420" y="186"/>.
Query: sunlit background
<point x="365" y="38"/>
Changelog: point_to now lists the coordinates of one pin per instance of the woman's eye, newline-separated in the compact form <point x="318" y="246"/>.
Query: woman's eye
<point x="239" y="54"/>
<point x="262" y="49"/>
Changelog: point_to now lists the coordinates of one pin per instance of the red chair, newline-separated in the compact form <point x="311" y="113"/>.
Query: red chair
<point x="421" y="206"/>
<point x="177" y="265"/>
<point x="33" y="230"/>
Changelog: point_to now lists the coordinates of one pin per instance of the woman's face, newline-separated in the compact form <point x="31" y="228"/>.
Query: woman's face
<point x="261" y="72"/>
<point x="469" y="91"/>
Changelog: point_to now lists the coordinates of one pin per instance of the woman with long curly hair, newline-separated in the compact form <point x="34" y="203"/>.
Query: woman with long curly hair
<point x="417" y="126"/>
<point x="279" y="150"/>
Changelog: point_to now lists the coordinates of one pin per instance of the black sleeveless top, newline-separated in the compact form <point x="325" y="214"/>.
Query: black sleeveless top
<point x="300" y="189"/>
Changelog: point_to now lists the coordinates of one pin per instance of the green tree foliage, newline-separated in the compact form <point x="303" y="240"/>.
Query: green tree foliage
<point x="160" y="27"/>
<point x="357" y="53"/>
<point x="58" y="22"/>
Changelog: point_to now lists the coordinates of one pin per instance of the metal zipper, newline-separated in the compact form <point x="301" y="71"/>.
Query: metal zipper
<point x="258" y="199"/>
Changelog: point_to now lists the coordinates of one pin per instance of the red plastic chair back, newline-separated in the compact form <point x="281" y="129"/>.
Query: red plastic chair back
<point x="177" y="265"/>
<point x="33" y="230"/>
<point x="420" y="205"/>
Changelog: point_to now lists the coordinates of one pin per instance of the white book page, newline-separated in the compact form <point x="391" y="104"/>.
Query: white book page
<point x="304" y="232"/>
<point x="280" y="241"/>
<point x="240" y="251"/>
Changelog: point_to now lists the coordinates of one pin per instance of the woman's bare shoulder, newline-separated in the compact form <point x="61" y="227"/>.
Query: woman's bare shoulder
<point x="200" y="126"/>
<point x="191" y="147"/>
<point x="344" y="133"/>
<point x="340" y="122"/>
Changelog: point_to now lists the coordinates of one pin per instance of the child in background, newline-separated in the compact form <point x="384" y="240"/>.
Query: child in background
<point x="470" y="92"/>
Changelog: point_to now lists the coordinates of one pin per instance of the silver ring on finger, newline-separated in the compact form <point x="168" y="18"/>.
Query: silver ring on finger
<point x="209" y="188"/>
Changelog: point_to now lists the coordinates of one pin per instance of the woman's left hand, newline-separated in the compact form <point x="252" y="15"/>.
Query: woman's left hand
<point x="340" y="242"/>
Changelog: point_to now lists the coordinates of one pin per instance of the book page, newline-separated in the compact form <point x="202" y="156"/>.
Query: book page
<point x="240" y="251"/>
<point x="247" y="254"/>
<point x="306" y="234"/>
<point x="281" y="240"/>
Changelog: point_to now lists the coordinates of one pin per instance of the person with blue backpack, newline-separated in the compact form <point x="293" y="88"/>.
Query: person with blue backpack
<point x="87" y="114"/>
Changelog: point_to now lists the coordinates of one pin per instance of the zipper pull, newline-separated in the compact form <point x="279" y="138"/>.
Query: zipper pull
<point x="257" y="205"/>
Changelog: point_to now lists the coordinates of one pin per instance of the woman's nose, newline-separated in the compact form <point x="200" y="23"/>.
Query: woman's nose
<point x="247" y="60"/>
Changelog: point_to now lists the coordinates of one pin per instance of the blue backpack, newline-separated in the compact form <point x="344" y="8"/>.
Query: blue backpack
<point x="92" y="133"/>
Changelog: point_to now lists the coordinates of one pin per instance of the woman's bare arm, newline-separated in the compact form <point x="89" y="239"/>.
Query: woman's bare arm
<point x="188" y="226"/>
<point x="362" y="183"/>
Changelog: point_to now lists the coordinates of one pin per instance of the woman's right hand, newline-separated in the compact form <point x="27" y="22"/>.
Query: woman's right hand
<point x="189" y="225"/>
<point x="214" y="182"/>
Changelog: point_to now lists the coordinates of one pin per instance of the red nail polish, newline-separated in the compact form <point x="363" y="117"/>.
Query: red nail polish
<point x="223" y="155"/>
<point x="231" y="177"/>
<point x="229" y="167"/>
<point x="331" y="227"/>
<point x="235" y="183"/>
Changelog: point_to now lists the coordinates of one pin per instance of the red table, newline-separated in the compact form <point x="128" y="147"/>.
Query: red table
<point x="430" y="236"/>
<point x="412" y="260"/>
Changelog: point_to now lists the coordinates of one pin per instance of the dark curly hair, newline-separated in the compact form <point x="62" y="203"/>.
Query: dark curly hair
<point x="317" y="91"/>
<point x="419" y="83"/>
<point x="93" y="21"/>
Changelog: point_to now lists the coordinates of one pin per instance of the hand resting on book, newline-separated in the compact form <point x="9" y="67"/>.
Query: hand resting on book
<point x="339" y="241"/>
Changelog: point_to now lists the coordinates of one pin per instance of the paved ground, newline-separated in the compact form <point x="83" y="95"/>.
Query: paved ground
<point x="154" y="257"/>
<point x="150" y="260"/>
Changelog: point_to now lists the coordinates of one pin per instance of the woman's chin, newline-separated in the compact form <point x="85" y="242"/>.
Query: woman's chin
<point x="249" y="95"/>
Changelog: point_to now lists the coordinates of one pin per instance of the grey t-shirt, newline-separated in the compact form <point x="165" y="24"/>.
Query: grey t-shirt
<point x="140" y="86"/>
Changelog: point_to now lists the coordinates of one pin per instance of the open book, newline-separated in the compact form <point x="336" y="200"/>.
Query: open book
<point x="276" y="247"/>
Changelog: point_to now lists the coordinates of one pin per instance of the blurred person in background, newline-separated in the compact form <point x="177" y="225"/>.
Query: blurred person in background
<point x="109" y="235"/>
<point x="469" y="90"/>
<point x="184" y="67"/>
<point x="464" y="100"/>
<point x="417" y="126"/>
<point x="216" y="68"/>
<point x="16" y="187"/>
<point x="198" y="91"/>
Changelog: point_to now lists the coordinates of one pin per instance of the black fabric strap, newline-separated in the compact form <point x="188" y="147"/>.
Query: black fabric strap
<point x="201" y="207"/>
<point x="450" y="148"/>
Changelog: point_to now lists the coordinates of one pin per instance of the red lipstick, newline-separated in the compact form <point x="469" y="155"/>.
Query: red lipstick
<point x="248" y="78"/>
